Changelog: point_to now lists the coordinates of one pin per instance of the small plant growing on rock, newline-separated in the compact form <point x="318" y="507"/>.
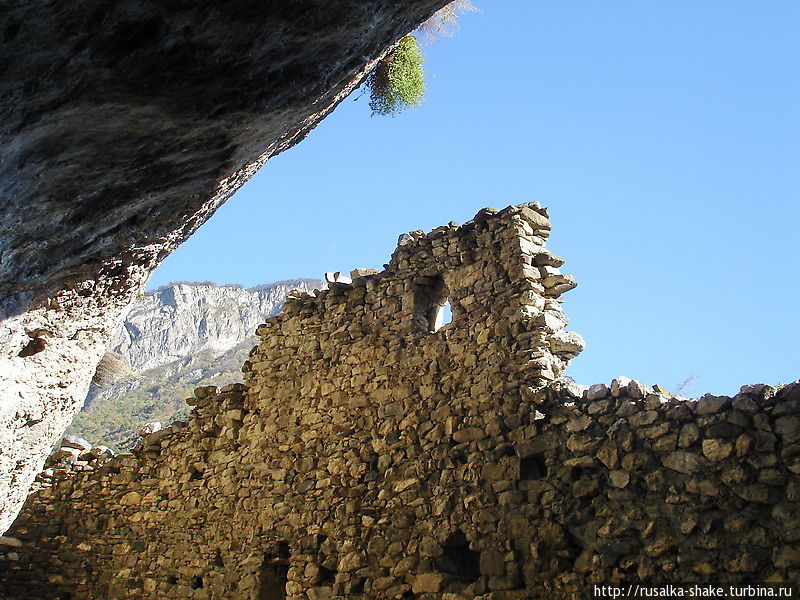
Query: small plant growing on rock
<point x="398" y="81"/>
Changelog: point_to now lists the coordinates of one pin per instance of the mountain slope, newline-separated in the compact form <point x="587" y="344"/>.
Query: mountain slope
<point x="178" y="337"/>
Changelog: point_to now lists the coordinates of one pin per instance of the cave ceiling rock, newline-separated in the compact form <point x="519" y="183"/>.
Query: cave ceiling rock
<point x="123" y="127"/>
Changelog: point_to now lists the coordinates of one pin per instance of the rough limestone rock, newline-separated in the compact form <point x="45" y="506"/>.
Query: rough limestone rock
<point x="183" y="319"/>
<point x="123" y="127"/>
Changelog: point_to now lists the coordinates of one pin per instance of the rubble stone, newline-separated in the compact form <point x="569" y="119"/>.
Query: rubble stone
<point x="373" y="456"/>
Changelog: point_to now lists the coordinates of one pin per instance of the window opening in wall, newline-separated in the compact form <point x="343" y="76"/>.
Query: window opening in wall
<point x="430" y="300"/>
<point x="458" y="560"/>
<point x="532" y="467"/>
<point x="445" y="316"/>
<point x="273" y="577"/>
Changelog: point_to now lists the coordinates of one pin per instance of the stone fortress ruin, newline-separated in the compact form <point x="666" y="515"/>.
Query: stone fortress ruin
<point x="372" y="455"/>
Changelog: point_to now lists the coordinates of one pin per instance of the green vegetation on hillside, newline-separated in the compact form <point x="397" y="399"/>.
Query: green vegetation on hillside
<point x="116" y="424"/>
<point x="155" y="395"/>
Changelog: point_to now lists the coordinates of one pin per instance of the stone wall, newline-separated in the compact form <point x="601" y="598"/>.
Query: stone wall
<point x="372" y="455"/>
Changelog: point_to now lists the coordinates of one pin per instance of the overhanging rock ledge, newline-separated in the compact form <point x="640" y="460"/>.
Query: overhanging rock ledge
<point x="123" y="126"/>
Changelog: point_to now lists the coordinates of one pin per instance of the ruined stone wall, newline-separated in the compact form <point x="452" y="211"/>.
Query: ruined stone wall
<point x="373" y="456"/>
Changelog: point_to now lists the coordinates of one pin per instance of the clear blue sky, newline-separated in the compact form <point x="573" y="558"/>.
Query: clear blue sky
<point x="663" y="137"/>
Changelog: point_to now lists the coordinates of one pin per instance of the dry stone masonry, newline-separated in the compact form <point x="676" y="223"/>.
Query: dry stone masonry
<point x="374" y="455"/>
<point x="123" y="127"/>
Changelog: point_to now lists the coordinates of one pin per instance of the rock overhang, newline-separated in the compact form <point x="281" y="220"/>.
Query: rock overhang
<point x="123" y="127"/>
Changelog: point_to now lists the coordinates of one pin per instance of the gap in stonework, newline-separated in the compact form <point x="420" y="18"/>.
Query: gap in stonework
<point x="458" y="560"/>
<point x="532" y="467"/>
<point x="444" y="316"/>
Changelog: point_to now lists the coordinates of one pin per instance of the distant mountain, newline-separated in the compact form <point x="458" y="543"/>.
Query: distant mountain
<point x="177" y="338"/>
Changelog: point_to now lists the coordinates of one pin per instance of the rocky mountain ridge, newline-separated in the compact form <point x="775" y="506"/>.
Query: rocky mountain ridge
<point x="176" y="338"/>
<point x="184" y="318"/>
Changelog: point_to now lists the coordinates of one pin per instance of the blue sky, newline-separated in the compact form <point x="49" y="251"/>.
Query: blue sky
<point x="661" y="135"/>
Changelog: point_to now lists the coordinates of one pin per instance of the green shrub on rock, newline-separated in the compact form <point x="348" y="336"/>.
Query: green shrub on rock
<point x="398" y="82"/>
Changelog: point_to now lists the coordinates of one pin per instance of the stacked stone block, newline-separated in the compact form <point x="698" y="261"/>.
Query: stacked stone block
<point x="371" y="455"/>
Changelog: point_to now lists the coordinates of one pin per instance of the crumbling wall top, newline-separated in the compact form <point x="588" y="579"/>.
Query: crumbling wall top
<point x="495" y="273"/>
